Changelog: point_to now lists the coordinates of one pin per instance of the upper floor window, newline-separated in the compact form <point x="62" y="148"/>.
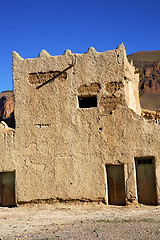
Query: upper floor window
<point x="87" y="101"/>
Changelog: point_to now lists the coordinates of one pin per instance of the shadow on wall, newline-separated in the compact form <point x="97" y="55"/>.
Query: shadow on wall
<point x="10" y="121"/>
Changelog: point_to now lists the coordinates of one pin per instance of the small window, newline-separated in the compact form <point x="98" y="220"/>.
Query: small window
<point x="139" y="161"/>
<point x="87" y="102"/>
<point x="144" y="161"/>
<point x="149" y="161"/>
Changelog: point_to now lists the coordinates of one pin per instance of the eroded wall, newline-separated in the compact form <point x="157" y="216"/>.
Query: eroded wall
<point x="131" y="77"/>
<point x="7" y="148"/>
<point x="60" y="150"/>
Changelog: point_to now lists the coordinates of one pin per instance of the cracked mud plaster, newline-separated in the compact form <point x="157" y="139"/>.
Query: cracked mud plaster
<point x="109" y="104"/>
<point x="130" y="181"/>
<point x="43" y="125"/>
<point x="42" y="77"/>
<point x="90" y="89"/>
<point x="113" y="87"/>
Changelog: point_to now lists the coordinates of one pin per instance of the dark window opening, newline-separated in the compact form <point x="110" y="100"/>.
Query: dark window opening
<point x="144" y="161"/>
<point x="149" y="161"/>
<point x="139" y="161"/>
<point x="87" y="102"/>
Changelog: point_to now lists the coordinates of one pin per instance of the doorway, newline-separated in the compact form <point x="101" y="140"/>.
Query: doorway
<point x="7" y="189"/>
<point x="115" y="184"/>
<point x="145" y="178"/>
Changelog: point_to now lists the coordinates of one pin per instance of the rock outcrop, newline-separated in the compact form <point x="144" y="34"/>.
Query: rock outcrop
<point x="7" y="108"/>
<point x="149" y="87"/>
<point x="149" y="65"/>
<point x="150" y="79"/>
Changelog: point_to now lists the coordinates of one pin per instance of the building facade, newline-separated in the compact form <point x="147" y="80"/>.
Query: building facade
<point x="79" y="133"/>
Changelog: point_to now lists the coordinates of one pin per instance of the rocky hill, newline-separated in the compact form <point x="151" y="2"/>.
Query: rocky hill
<point x="149" y="65"/>
<point x="7" y="108"/>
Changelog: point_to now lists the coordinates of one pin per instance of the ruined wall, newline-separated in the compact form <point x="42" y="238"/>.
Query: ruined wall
<point x="61" y="149"/>
<point x="153" y="115"/>
<point x="131" y="77"/>
<point x="7" y="148"/>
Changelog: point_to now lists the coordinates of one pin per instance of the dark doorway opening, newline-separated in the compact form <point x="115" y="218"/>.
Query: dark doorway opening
<point x="87" y="102"/>
<point x="145" y="178"/>
<point x="115" y="184"/>
<point x="7" y="189"/>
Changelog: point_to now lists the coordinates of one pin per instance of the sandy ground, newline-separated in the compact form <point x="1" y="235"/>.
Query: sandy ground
<point x="79" y="221"/>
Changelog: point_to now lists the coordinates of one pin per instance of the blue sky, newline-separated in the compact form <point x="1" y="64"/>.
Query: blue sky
<point x="55" y="25"/>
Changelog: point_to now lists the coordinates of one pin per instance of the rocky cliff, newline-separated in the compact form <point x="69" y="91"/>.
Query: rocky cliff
<point x="7" y="108"/>
<point x="149" y="87"/>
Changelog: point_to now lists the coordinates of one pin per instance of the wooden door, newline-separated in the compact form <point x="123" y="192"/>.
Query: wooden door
<point x="116" y="186"/>
<point x="145" y="176"/>
<point x="8" y="189"/>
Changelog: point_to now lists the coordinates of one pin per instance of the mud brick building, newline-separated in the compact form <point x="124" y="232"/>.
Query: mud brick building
<point x="79" y="133"/>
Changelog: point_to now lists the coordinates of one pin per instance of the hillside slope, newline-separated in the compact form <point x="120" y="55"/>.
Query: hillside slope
<point x="149" y="87"/>
<point x="7" y="108"/>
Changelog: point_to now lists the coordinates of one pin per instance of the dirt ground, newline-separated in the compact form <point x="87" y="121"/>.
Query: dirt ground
<point x="79" y="221"/>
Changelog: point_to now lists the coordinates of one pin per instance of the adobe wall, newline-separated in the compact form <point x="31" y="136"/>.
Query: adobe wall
<point x="131" y="76"/>
<point x="7" y="147"/>
<point x="60" y="150"/>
